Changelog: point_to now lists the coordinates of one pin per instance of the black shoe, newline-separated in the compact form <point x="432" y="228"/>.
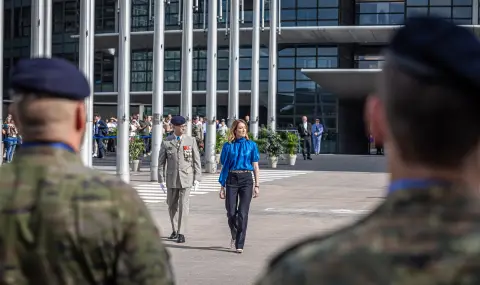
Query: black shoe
<point x="174" y="235"/>
<point x="304" y="158"/>
<point x="181" y="238"/>
<point x="309" y="158"/>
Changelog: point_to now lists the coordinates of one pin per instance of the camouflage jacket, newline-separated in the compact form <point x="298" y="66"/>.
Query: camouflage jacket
<point x="197" y="132"/>
<point x="417" y="236"/>
<point x="63" y="223"/>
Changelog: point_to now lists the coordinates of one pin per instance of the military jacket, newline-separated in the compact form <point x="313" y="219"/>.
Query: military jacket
<point x="197" y="132"/>
<point x="64" y="223"/>
<point x="179" y="162"/>
<point x="417" y="236"/>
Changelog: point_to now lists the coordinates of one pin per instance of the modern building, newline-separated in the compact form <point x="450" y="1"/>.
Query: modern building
<point x="328" y="54"/>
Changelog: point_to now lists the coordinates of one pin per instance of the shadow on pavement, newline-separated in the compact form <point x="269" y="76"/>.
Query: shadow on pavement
<point x="214" y="248"/>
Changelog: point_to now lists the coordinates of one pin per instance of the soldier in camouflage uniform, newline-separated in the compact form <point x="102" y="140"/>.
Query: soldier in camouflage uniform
<point x="61" y="222"/>
<point x="197" y="133"/>
<point x="427" y="231"/>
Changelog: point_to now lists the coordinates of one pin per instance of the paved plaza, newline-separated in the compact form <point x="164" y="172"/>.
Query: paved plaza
<point x="295" y="201"/>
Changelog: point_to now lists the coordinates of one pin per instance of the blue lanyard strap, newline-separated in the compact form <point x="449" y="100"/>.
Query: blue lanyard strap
<point x="406" y="184"/>
<point x="58" y="145"/>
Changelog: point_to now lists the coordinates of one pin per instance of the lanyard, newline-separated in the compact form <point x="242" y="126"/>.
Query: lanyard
<point x="405" y="184"/>
<point x="58" y="145"/>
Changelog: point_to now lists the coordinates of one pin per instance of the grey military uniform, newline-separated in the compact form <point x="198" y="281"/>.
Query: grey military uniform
<point x="179" y="166"/>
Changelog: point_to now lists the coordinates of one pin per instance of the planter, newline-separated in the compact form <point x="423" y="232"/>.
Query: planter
<point x="217" y="158"/>
<point x="272" y="161"/>
<point x="292" y="158"/>
<point x="135" y="165"/>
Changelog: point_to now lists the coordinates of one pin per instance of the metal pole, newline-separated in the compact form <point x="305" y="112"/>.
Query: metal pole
<point x="91" y="61"/>
<point x="279" y="17"/>
<point x="179" y="21"/>
<point x="242" y="17"/>
<point x="38" y="32"/>
<point x="204" y="11"/>
<point x="86" y="65"/>
<point x="2" y="7"/>
<point x="157" y="100"/>
<point x="187" y="64"/>
<point x="220" y="11"/>
<point x="263" y="14"/>
<point x="123" y="107"/>
<point x="255" y="96"/>
<point x="48" y="28"/>
<point x="272" y="72"/>
<point x="234" y="64"/>
<point x="227" y="4"/>
<point x="149" y="11"/>
<point x="211" y="164"/>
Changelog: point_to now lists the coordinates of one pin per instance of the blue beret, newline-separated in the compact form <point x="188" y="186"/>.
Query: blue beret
<point x="53" y="76"/>
<point x="178" y="120"/>
<point x="437" y="51"/>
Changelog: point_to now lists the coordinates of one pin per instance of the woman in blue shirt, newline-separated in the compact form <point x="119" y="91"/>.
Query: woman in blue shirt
<point x="239" y="159"/>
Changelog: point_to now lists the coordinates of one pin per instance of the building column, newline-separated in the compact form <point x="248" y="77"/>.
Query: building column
<point x="48" y="10"/>
<point x="86" y="64"/>
<point x="187" y="64"/>
<point x="352" y="138"/>
<point x="255" y="93"/>
<point x="212" y="46"/>
<point x="38" y="31"/>
<point x="123" y="107"/>
<point x="346" y="56"/>
<point x="475" y="12"/>
<point x="158" y="74"/>
<point x="347" y="12"/>
<point x="272" y="71"/>
<point x="233" y="86"/>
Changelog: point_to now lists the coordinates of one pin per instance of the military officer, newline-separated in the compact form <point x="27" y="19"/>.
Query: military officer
<point x="180" y="160"/>
<point x="62" y="222"/>
<point x="427" y="229"/>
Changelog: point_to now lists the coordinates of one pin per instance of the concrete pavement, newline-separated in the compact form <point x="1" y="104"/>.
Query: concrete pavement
<point x="289" y="209"/>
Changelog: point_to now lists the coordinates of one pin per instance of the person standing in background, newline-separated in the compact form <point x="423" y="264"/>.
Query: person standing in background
<point x="317" y="130"/>
<point x="305" y="132"/>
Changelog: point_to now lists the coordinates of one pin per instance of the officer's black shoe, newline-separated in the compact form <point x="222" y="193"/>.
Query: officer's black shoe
<point x="174" y="235"/>
<point x="181" y="238"/>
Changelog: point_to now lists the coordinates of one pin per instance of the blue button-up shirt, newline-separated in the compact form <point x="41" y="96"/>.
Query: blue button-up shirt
<point x="237" y="155"/>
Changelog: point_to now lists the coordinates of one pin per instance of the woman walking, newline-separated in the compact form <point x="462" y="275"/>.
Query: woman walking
<point x="239" y="159"/>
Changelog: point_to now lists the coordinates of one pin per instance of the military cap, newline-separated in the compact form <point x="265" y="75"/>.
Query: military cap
<point x="53" y="76"/>
<point x="178" y="120"/>
<point x="437" y="51"/>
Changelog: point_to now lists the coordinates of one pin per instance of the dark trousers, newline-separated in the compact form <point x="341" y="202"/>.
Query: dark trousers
<point x="146" y="142"/>
<point x="307" y="146"/>
<point x="101" y="148"/>
<point x="238" y="196"/>
<point x="111" y="145"/>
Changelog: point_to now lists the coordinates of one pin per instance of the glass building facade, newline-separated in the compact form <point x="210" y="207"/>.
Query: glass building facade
<point x="297" y="95"/>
